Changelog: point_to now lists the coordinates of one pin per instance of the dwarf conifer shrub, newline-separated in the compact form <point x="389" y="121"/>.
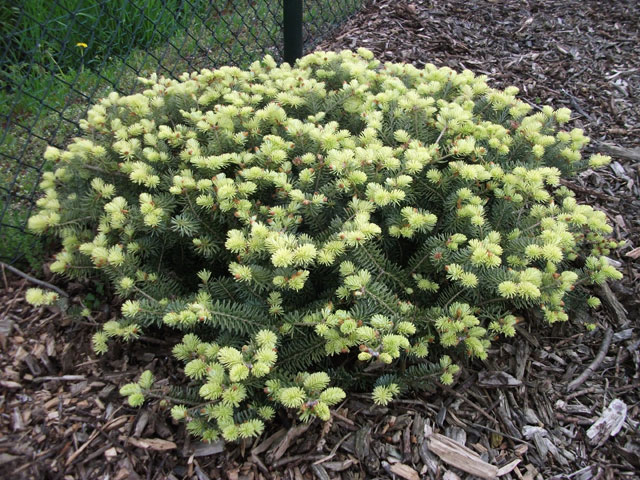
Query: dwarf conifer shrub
<point x="336" y="226"/>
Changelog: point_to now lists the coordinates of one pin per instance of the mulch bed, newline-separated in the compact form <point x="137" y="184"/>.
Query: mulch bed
<point x="529" y="409"/>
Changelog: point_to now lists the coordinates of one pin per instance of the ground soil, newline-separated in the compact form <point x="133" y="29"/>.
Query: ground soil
<point x="61" y="415"/>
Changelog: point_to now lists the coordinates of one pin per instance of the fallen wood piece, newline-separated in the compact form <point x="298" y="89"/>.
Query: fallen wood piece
<point x="585" y="473"/>
<point x="64" y="378"/>
<point x="16" y="420"/>
<point x="320" y="472"/>
<point x="428" y="458"/>
<point x="609" y="423"/>
<point x="339" y="466"/>
<point x="9" y="384"/>
<point x="538" y="435"/>
<point x="461" y="457"/>
<point x="449" y="475"/>
<point x="635" y="253"/>
<point x="116" y="423"/>
<point x="504" y="412"/>
<point x="508" y="468"/>
<point x="77" y="453"/>
<point x="149" y="443"/>
<point x="632" y="154"/>
<point x="110" y="453"/>
<point x="290" y="436"/>
<point x="266" y="444"/>
<point x="497" y="380"/>
<point x="614" y="303"/>
<point x="531" y="472"/>
<point x="203" y="449"/>
<point x="404" y="471"/>
<point x="604" y="348"/>
<point x="456" y="434"/>
<point x="622" y="335"/>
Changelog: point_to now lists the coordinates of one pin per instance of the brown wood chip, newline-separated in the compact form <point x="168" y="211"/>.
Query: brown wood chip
<point x="461" y="457"/>
<point x="497" y="380"/>
<point x="404" y="471"/>
<point x="149" y="443"/>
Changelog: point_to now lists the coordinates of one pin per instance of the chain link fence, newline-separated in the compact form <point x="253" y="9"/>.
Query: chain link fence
<point x="57" y="57"/>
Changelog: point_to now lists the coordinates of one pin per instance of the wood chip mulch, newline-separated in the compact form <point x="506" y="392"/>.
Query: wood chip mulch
<point x="552" y="403"/>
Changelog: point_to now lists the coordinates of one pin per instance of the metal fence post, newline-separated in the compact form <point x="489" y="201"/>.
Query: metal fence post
<point x="292" y="25"/>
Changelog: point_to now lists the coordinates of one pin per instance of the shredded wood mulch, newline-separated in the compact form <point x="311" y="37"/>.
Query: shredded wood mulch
<point x="552" y="403"/>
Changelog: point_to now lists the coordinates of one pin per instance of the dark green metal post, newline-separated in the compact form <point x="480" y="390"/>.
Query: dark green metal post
<point x="292" y="30"/>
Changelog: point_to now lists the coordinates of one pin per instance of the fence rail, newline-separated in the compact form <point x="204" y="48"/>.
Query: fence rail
<point x="57" y="57"/>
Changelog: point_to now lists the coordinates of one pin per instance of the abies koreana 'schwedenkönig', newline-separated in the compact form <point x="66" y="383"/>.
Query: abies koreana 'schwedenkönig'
<point x="299" y="225"/>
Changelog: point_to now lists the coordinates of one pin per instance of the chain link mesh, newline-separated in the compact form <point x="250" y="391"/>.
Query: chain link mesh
<point x="57" y="57"/>
<point x="322" y="16"/>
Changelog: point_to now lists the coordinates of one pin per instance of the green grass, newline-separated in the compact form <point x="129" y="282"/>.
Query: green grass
<point x="48" y="31"/>
<point x="42" y="56"/>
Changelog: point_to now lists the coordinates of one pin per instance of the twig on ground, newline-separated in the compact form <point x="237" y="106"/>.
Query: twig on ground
<point x="577" y="107"/>
<point x="624" y="388"/>
<point x="589" y="191"/>
<point x="64" y="378"/>
<point x="343" y="418"/>
<point x="333" y="450"/>
<point x="572" y="419"/>
<point x="506" y="435"/>
<point x="295" y="458"/>
<point x="471" y="404"/>
<point x="585" y="391"/>
<point x="42" y="283"/>
<point x="596" y="362"/>
<point x="77" y="453"/>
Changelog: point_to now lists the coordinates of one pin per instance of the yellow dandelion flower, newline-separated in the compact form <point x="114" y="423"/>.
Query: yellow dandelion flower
<point x="81" y="45"/>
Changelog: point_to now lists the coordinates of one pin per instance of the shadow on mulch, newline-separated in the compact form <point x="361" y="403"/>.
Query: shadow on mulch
<point x="528" y="410"/>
